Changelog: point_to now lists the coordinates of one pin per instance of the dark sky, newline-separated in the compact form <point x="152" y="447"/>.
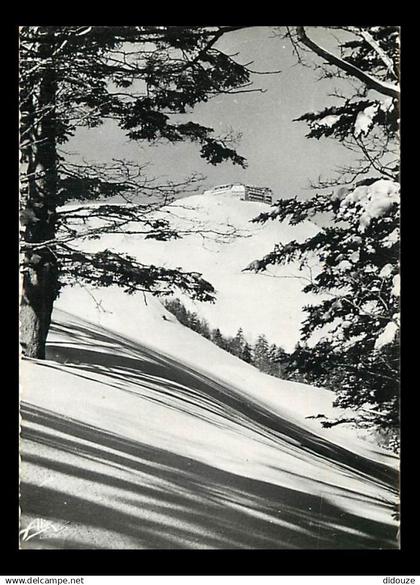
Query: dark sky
<point x="278" y="153"/>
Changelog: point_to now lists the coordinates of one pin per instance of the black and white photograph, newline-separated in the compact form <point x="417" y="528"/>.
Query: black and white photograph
<point x="209" y="295"/>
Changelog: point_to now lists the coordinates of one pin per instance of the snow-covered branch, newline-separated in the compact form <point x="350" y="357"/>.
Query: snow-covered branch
<point x="383" y="87"/>
<point x="377" y="48"/>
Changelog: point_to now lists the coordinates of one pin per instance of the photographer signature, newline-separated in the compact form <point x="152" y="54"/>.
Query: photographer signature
<point x="40" y="526"/>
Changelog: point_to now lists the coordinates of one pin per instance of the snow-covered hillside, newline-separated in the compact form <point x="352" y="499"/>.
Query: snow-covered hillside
<point x="139" y="433"/>
<point x="221" y="243"/>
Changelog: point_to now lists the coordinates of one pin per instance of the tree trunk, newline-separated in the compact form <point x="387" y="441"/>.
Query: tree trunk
<point x="39" y="283"/>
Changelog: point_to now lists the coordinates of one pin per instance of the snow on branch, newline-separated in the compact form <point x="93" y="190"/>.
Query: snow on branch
<point x="383" y="87"/>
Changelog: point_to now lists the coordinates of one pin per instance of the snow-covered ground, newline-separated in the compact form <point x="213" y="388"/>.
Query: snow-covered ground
<point x="220" y="244"/>
<point x="139" y="433"/>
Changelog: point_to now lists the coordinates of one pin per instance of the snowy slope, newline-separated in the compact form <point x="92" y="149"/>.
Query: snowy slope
<point x="139" y="433"/>
<point x="221" y="244"/>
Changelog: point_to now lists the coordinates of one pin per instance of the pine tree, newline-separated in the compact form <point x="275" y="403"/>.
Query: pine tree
<point x="194" y="322"/>
<point x="177" y="308"/>
<point x="237" y="343"/>
<point x="217" y="337"/>
<point x="274" y="360"/>
<point x="205" y="329"/>
<point x="281" y="359"/>
<point x="74" y="76"/>
<point x="357" y="354"/>
<point x="260" y="353"/>
<point x="246" y="355"/>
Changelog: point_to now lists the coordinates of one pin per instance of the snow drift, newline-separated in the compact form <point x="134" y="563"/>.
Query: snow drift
<point x="138" y="433"/>
<point x="220" y="241"/>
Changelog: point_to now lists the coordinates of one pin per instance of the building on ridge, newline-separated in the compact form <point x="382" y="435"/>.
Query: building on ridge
<point x="246" y="192"/>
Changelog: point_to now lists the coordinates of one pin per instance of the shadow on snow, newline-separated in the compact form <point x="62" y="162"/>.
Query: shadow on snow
<point x="164" y="500"/>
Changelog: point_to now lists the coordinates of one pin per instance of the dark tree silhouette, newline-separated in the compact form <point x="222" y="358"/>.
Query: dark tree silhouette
<point x="357" y="350"/>
<point x="139" y="77"/>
